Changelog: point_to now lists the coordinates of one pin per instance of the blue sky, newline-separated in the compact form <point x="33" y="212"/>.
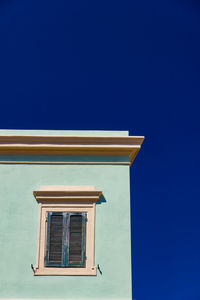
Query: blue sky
<point x="120" y="65"/>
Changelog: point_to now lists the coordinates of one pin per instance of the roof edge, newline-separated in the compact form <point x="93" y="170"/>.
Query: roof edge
<point x="71" y="145"/>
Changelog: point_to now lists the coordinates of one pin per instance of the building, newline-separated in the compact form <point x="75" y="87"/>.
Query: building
<point x="65" y="214"/>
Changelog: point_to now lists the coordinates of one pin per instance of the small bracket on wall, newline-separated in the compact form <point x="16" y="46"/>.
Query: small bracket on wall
<point x="98" y="267"/>
<point x="32" y="268"/>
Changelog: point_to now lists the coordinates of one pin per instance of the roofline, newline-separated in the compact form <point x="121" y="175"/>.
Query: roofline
<point x="71" y="145"/>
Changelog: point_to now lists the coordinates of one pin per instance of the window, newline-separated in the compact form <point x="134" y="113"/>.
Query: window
<point x="66" y="230"/>
<point x="65" y="242"/>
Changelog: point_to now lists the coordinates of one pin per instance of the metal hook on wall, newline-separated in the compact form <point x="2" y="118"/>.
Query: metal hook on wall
<point x="32" y="268"/>
<point x="98" y="267"/>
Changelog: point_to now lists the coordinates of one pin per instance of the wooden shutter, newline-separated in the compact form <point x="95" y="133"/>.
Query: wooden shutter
<point x="55" y="240"/>
<point x="76" y="239"/>
<point x="65" y="244"/>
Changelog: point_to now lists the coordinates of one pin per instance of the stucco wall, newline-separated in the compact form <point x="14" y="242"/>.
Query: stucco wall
<point x="19" y="232"/>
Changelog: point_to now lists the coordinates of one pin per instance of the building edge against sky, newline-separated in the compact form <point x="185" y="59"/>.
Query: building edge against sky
<point x="31" y="159"/>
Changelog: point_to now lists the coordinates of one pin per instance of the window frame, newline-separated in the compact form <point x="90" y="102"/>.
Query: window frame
<point x="71" y="200"/>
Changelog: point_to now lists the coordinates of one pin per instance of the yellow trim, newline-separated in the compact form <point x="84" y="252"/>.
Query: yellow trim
<point x="68" y="145"/>
<point x="67" y="195"/>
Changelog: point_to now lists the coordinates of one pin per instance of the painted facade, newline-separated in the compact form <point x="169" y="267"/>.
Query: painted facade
<point x="30" y="160"/>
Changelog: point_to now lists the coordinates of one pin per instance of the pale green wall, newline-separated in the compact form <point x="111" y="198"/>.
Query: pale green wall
<point x="64" y="132"/>
<point x="19" y="228"/>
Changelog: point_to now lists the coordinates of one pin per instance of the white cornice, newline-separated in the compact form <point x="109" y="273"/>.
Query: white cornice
<point x="68" y="145"/>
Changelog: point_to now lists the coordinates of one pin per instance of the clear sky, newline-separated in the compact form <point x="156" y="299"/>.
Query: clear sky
<point x="120" y="65"/>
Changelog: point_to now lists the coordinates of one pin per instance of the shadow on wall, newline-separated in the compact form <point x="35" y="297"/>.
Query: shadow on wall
<point x="101" y="200"/>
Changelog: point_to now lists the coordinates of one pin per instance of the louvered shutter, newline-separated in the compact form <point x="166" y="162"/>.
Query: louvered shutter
<point x="76" y="239"/>
<point x="65" y="244"/>
<point x="55" y="240"/>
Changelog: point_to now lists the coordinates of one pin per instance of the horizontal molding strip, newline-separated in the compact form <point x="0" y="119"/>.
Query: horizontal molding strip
<point x="68" y="145"/>
<point x="73" y="140"/>
<point x="63" y="163"/>
<point x="70" y="195"/>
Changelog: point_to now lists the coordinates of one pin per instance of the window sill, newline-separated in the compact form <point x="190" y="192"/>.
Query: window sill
<point x="65" y="271"/>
